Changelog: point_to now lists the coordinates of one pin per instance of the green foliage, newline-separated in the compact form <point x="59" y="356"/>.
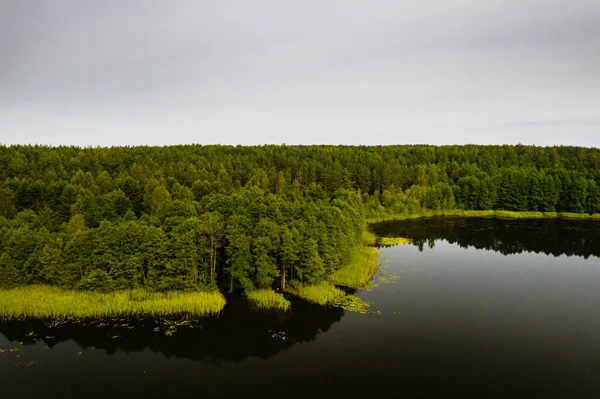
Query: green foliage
<point x="311" y="268"/>
<point x="489" y="214"/>
<point x="51" y="302"/>
<point x="76" y="224"/>
<point x="268" y="300"/>
<point x="192" y="217"/>
<point x="7" y="206"/>
<point x="96" y="209"/>
<point x="239" y="255"/>
<point x="322" y="294"/>
<point x="369" y="238"/>
<point x="359" y="270"/>
<point x="97" y="280"/>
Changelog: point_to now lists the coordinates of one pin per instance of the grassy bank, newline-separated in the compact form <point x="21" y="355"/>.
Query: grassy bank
<point x="326" y="294"/>
<point x="51" y="302"/>
<point x="369" y="238"/>
<point x="322" y="294"/>
<point x="363" y="263"/>
<point x="268" y="300"/>
<point x="487" y="214"/>
<point x="361" y="268"/>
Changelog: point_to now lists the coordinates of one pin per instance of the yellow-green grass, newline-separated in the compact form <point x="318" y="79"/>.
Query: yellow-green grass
<point x="393" y="240"/>
<point x="369" y="238"/>
<point x="51" y="302"/>
<point x="322" y="294"/>
<point x="358" y="272"/>
<point x="268" y="300"/>
<point x="328" y="295"/>
<point x="488" y="214"/>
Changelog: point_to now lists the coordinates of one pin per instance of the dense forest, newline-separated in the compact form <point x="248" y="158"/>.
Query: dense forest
<point x="197" y="217"/>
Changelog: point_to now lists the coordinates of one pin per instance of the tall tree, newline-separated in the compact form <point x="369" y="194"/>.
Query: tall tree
<point x="214" y="228"/>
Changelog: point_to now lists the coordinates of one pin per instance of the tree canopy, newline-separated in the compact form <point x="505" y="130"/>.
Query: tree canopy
<point x="192" y="216"/>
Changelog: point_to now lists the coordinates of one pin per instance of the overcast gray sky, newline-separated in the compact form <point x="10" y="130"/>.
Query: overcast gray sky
<point x="107" y="72"/>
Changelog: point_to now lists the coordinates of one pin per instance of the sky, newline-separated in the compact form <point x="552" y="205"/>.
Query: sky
<point x="144" y="72"/>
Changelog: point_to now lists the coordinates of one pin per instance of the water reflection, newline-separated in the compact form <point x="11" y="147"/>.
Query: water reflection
<point x="452" y="323"/>
<point x="549" y="236"/>
<point x="235" y="335"/>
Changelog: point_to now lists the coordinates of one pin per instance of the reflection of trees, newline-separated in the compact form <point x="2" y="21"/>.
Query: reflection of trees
<point x="550" y="236"/>
<point x="233" y="336"/>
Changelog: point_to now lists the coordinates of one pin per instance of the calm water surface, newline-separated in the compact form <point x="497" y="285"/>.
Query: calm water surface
<point x="473" y="308"/>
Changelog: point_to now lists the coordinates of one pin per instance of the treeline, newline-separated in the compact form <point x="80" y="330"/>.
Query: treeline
<point x="185" y="217"/>
<point x="247" y="238"/>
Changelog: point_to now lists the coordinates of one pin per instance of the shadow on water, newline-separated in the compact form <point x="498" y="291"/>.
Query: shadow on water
<point x="549" y="236"/>
<point x="238" y="333"/>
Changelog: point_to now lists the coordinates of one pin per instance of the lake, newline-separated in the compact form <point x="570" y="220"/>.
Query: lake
<point x="471" y="308"/>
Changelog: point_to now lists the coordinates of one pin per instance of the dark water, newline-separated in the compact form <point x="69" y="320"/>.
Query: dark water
<point x="474" y="308"/>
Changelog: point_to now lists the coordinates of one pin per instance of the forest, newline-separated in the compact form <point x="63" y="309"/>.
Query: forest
<point x="195" y="217"/>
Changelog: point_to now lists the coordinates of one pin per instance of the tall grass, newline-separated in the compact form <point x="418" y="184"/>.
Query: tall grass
<point x="325" y="294"/>
<point x="268" y="300"/>
<point x="356" y="274"/>
<point x="52" y="302"/>
<point x="369" y="238"/>
<point x="488" y="214"/>
<point x="322" y="294"/>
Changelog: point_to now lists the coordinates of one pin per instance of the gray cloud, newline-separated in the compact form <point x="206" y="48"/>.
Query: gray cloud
<point x="351" y="72"/>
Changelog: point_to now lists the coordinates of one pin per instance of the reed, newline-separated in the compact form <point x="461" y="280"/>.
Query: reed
<point x="51" y="302"/>
<point x="369" y="238"/>
<point x="268" y="300"/>
<point x="358" y="272"/>
<point x="322" y="294"/>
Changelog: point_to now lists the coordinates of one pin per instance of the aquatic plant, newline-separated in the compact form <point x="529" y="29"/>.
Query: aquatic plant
<point x="279" y="335"/>
<point x="385" y="277"/>
<point x="352" y="303"/>
<point x="268" y="300"/>
<point x="51" y="302"/>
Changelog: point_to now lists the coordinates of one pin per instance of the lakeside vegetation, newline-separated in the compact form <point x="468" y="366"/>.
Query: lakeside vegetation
<point x="359" y="270"/>
<point x="326" y="294"/>
<point x="201" y="218"/>
<point x="496" y="214"/>
<point x="369" y="238"/>
<point x="56" y="303"/>
<point x="268" y="300"/>
<point x="393" y="240"/>
<point x="323" y="294"/>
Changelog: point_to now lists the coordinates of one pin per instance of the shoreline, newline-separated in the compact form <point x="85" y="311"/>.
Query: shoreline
<point x="492" y="214"/>
<point x="42" y="301"/>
